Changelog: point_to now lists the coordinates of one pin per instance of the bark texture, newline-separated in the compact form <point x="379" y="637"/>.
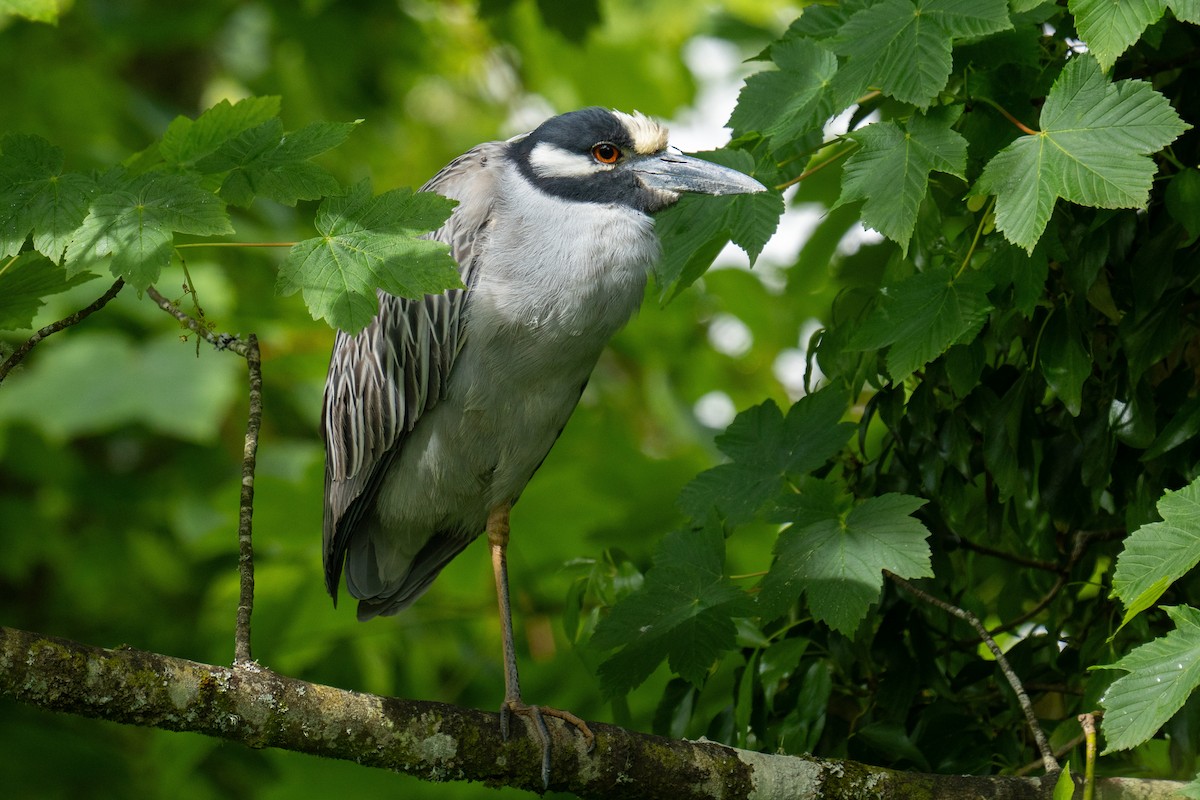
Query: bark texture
<point x="439" y="742"/>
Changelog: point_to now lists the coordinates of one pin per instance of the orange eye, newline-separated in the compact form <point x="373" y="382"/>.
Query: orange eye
<point x="606" y="153"/>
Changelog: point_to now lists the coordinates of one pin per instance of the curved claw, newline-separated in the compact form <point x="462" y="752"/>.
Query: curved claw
<point x="497" y="531"/>
<point x="537" y="715"/>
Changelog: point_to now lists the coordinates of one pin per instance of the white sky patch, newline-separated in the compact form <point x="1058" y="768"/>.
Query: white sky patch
<point x="791" y="364"/>
<point x="856" y="237"/>
<point x="840" y="125"/>
<point x="1077" y="46"/>
<point x="729" y="335"/>
<point x="781" y="251"/>
<point x="789" y="369"/>
<point x="715" y="410"/>
<point x="719" y="72"/>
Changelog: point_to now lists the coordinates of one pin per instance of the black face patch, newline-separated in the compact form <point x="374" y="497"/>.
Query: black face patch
<point x="577" y="132"/>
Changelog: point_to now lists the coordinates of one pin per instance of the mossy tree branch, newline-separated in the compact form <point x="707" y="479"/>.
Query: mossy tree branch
<point x="439" y="742"/>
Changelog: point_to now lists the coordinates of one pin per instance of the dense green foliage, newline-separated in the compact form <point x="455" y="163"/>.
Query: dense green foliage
<point x="1000" y="391"/>
<point x="120" y="445"/>
<point x="1027" y="373"/>
<point x="1026" y="368"/>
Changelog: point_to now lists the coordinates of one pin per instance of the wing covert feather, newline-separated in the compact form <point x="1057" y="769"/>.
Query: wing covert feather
<point x="384" y="378"/>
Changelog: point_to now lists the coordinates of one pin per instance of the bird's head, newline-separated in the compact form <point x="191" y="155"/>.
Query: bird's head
<point x="601" y="156"/>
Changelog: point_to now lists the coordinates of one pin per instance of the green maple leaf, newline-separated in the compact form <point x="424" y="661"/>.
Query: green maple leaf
<point x="188" y="140"/>
<point x="130" y="228"/>
<point x="1186" y="10"/>
<point x="793" y="99"/>
<point x="922" y="316"/>
<point x="1183" y="199"/>
<point x="1162" y="674"/>
<point x="694" y="230"/>
<point x="37" y="197"/>
<point x="836" y="556"/>
<point x="1065" y="362"/>
<point x="764" y="449"/>
<point x="683" y="612"/>
<point x="1093" y="149"/>
<point x="891" y="170"/>
<point x="903" y="47"/>
<point x="1158" y="554"/>
<point x="24" y="283"/>
<point x="1110" y="26"/>
<point x="367" y="243"/>
<point x="823" y="21"/>
<point x="263" y="160"/>
<point x="1025" y="272"/>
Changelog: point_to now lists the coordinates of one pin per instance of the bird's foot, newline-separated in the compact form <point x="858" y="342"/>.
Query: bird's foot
<point x="536" y="716"/>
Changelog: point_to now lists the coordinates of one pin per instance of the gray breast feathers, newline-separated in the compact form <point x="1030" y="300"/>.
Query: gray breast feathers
<point x="384" y="378"/>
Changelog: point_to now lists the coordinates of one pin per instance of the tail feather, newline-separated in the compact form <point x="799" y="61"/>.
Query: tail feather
<point x="383" y="595"/>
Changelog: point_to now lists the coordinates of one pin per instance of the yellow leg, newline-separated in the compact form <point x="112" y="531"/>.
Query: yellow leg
<point x="497" y="531"/>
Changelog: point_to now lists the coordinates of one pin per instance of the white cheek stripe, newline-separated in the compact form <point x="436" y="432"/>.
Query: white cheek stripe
<point x="549" y="161"/>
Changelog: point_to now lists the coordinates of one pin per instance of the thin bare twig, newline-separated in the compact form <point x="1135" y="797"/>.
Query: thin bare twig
<point x="221" y="341"/>
<point x="1038" y="607"/>
<point x="967" y="544"/>
<point x="19" y="354"/>
<point x="1061" y="750"/>
<point x="1039" y="736"/>
<point x="246" y="510"/>
<point x="248" y="349"/>
<point x="1080" y="540"/>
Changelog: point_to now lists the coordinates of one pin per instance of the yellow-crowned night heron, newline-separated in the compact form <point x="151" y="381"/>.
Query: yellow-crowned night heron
<point x="439" y="412"/>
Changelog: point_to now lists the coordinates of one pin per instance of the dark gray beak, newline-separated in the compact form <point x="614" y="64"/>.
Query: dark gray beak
<point x="679" y="173"/>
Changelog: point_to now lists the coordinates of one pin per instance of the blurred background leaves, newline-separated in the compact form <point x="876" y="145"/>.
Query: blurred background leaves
<point x="120" y="444"/>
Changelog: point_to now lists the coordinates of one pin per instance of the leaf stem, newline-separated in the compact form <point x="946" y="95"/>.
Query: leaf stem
<point x="8" y="264"/>
<point x="1037" y="343"/>
<point x="1020" y="125"/>
<point x="746" y="575"/>
<point x="1167" y="153"/>
<point x="808" y="152"/>
<point x="975" y="241"/>
<point x="817" y="167"/>
<point x="871" y="95"/>
<point x="234" y="244"/>
<point x="189" y="288"/>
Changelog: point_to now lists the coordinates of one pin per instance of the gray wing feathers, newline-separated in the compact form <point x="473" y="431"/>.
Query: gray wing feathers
<point x="384" y="378"/>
